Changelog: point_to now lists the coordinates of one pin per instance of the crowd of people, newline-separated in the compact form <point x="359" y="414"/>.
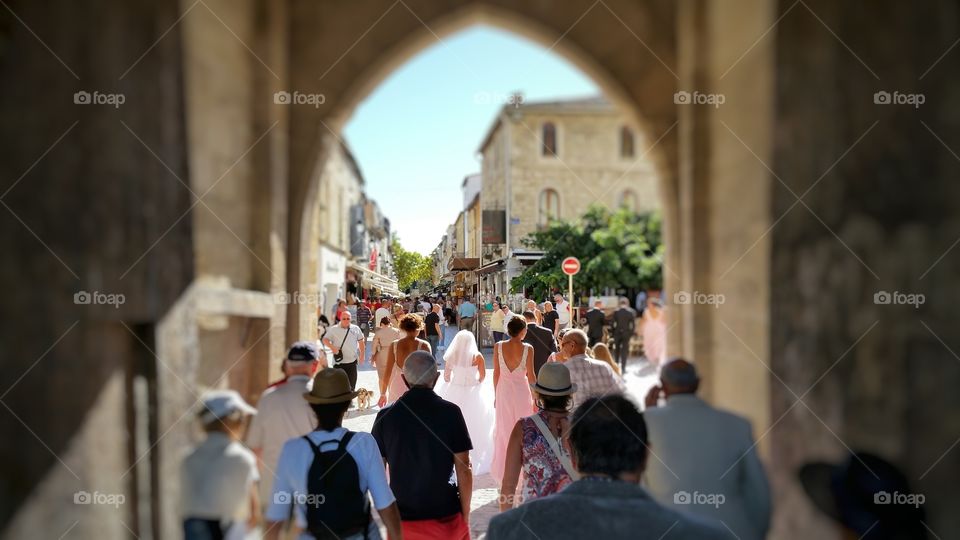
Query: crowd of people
<point x="572" y="453"/>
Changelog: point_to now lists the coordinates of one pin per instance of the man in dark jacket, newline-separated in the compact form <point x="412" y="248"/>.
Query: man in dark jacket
<point x="624" y="324"/>
<point x="542" y="340"/>
<point x="595" y="319"/>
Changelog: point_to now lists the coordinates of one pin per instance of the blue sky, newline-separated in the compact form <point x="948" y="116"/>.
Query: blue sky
<point x="416" y="136"/>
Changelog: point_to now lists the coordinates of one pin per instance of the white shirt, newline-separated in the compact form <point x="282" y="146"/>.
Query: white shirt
<point x="351" y="346"/>
<point x="563" y="311"/>
<point x="216" y="478"/>
<point x="282" y="414"/>
<point x="296" y="458"/>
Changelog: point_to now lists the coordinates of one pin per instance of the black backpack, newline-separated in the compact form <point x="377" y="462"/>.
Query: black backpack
<point x="336" y="507"/>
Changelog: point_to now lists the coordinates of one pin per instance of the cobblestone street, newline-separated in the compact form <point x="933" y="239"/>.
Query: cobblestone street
<point x="640" y="377"/>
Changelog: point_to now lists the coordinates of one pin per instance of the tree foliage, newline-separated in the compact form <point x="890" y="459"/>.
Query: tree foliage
<point x="619" y="249"/>
<point x="410" y="266"/>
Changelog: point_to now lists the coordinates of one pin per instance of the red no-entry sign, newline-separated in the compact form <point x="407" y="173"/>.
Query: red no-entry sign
<point x="570" y="266"/>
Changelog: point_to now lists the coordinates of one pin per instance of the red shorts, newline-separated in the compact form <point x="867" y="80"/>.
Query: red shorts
<point x="452" y="528"/>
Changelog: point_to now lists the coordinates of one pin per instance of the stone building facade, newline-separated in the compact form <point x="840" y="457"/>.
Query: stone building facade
<point x="340" y="204"/>
<point x="553" y="160"/>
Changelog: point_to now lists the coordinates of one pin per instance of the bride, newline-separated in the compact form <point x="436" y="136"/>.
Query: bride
<point x="463" y="374"/>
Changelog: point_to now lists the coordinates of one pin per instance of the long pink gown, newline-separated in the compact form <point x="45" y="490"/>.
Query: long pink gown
<point x="514" y="402"/>
<point x="655" y="339"/>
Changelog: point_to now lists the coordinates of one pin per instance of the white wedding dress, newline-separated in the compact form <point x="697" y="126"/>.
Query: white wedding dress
<point x="474" y="399"/>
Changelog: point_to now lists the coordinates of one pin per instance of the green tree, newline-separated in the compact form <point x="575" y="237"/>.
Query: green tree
<point x="410" y="266"/>
<point x="619" y="249"/>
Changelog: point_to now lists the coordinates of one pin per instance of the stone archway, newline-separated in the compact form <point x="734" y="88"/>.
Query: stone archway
<point x="639" y="80"/>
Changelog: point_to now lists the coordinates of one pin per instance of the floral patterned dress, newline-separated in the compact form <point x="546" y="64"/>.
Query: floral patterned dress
<point x="543" y="474"/>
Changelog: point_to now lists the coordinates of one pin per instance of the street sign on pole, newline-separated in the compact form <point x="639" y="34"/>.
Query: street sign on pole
<point x="570" y="266"/>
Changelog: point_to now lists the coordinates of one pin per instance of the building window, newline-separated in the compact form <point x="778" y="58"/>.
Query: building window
<point x="626" y="142"/>
<point x="628" y="200"/>
<point x="549" y="206"/>
<point x="549" y="139"/>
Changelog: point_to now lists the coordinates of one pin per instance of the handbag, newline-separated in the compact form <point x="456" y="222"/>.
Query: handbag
<point x="555" y="446"/>
<point x="338" y="356"/>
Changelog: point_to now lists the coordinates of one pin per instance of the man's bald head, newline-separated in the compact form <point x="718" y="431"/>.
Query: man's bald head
<point x="420" y="369"/>
<point x="678" y="376"/>
<point x="577" y="339"/>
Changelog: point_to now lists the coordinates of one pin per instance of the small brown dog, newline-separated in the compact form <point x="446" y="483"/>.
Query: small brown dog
<point x="364" y="397"/>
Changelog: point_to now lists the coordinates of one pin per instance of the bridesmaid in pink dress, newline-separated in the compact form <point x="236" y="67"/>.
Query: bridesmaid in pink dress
<point x="392" y="385"/>
<point x="654" y="332"/>
<point x="512" y="377"/>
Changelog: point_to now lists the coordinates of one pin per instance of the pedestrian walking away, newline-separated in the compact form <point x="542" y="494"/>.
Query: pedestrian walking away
<point x="392" y="385"/>
<point x="218" y="478"/>
<point x="282" y="413"/>
<point x="542" y="340"/>
<point x="426" y="445"/>
<point x="595" y="321"/>
<point x="512" y="377"/>
<point x="537" y="443"/>
<point x="325" y="479"/>
<point x="432" y="330"/>
<point x="624" y="327"/>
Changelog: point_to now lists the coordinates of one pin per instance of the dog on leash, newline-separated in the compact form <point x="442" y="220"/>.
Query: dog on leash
<point x="364" y="397"/>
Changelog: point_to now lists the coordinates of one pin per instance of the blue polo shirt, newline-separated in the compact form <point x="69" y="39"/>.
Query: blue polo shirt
<point x="468" y="310"/>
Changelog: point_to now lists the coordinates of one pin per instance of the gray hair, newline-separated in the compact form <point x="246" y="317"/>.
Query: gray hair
<point x="419" y="368"/>
<point x="679" y="373"/>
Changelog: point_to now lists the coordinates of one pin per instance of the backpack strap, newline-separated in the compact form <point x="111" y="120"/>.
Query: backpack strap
<point x="345" y="440"/>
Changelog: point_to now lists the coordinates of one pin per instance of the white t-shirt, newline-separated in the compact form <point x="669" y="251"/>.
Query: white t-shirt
<point x="351" y="345"/>
<point x="216" y="478"/>
<point x="282" y="414"/>
<point x="296" y="458"/>
<point x="563" y="311"/>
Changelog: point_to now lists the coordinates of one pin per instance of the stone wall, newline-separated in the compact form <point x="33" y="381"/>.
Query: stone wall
<point x="87" y="191"/>
<point x="879" y="213"/>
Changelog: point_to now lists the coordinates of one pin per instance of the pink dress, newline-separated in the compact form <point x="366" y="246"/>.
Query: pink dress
<point x="514" y="401"/>
<point x="655" y="340"/>
<point x="543" y="474"/>
<point x="395" y="386"/>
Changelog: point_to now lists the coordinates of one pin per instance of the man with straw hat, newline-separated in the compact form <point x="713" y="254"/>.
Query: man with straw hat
<point x="323" y="478"/>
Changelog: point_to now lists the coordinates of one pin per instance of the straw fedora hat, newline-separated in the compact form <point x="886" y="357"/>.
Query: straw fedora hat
<point x="330" y="385"/>
<point x="554" y="380"/>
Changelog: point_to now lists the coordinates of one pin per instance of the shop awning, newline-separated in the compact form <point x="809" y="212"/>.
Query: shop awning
<point x="461" y="264"/>
<point x="376" y="280"/>
<point x="492" y="267"/>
